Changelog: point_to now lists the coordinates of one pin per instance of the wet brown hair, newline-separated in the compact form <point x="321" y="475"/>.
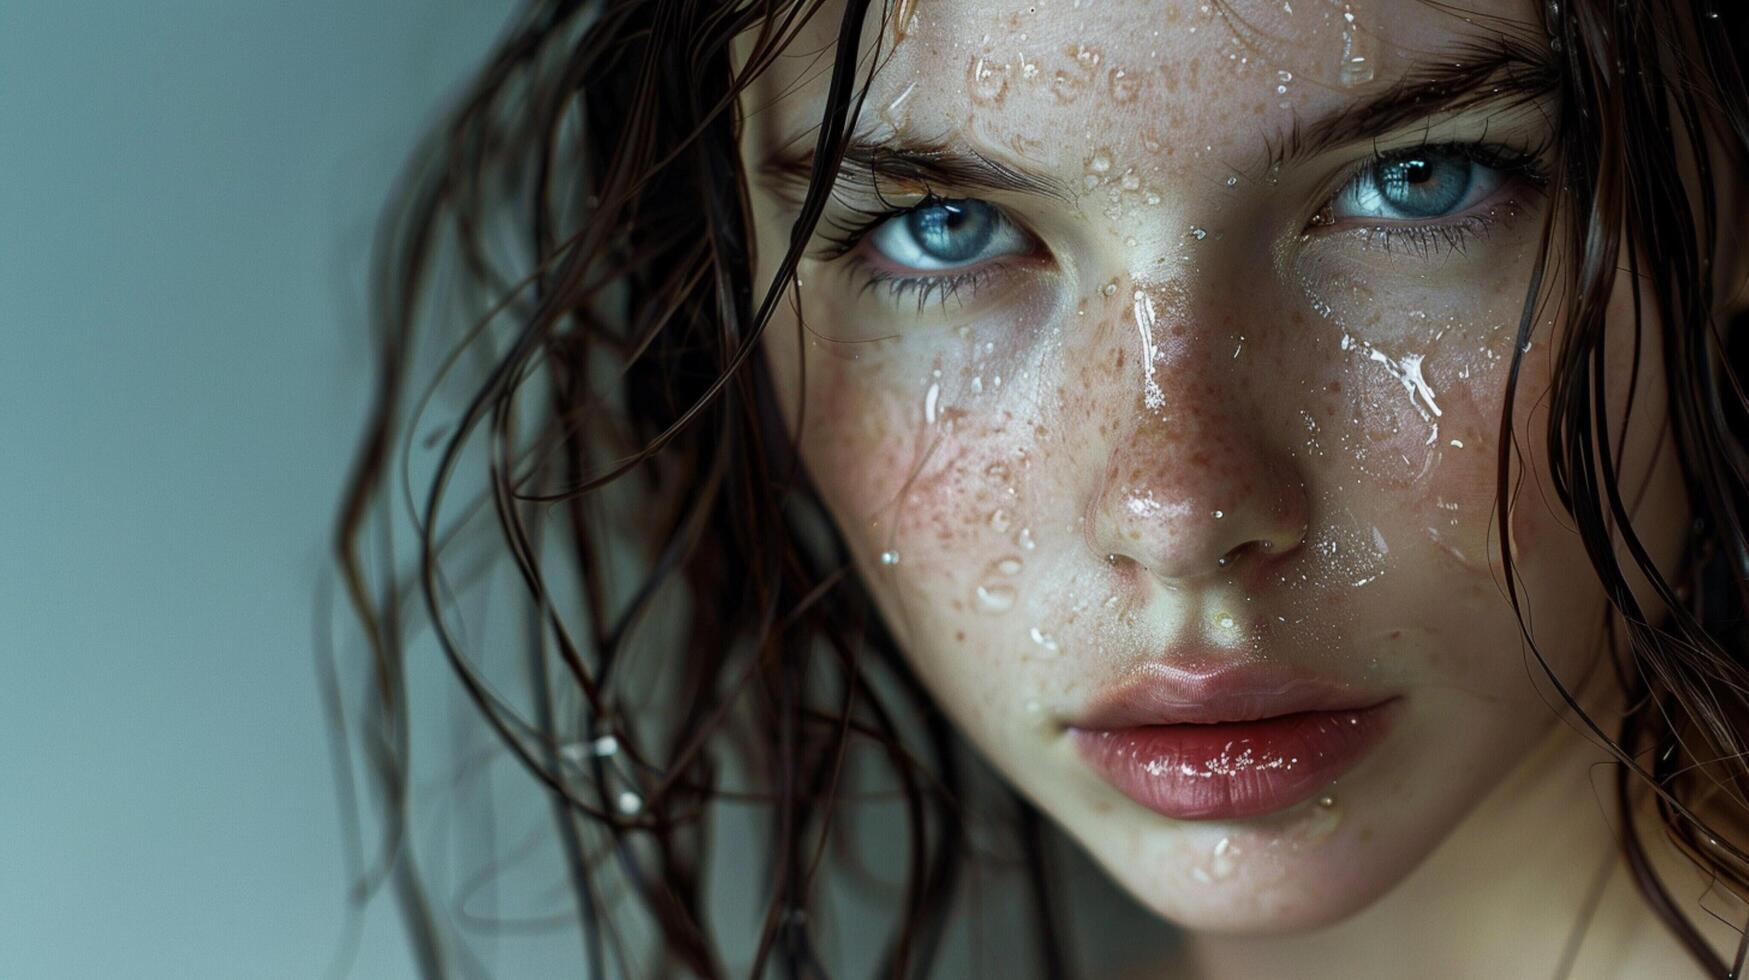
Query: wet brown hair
<point x="584" y="204"/>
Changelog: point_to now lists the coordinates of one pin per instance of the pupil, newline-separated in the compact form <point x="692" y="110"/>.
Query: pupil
<point x="953" y="231"/>
<point x="1425" y="187"/>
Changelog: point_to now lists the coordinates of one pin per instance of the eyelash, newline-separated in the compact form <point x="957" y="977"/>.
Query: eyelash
<point x="922" y="287"/>
<point x="1425" y="240"/>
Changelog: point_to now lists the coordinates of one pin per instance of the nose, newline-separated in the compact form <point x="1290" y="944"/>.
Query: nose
<point x="1190" y="487"/>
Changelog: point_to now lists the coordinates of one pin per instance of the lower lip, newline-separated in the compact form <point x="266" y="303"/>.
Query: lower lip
<point x="1234" y="769"/>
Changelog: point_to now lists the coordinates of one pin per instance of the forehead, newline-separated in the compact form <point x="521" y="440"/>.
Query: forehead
<point x="1053" y="83"/>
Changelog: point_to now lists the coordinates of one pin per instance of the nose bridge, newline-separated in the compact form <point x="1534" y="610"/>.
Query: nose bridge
<point x="1190" y="480"/>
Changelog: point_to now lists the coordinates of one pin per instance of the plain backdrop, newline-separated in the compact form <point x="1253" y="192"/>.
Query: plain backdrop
<point x="186" y="195"/>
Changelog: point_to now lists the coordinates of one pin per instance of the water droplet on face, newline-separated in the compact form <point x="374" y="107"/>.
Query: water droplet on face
<point x="1199" y="233"/>
<point x="1232" y="182"/>
<point x="1009" y="566"/>
<point x="1044" y="640"/>
<point x="1322" y="819"/>
<point x="999" y="520"/>
<point x="1130" y="181"/>
<point x="1024" y="539"/>
<point x="1100" y="163"/>
<point x="1219" y="514"/>
<point x="929" y="402"/>
<point x="1356" y="66"/>
<point x="628" y="802"/>
<point x="604" y="746"/>
<point x="1109" y="289"/>
<point x="995" y="598"/>
<point x="889" y="557"/>
<point x="986" y="81"/>
<point x="898" y="112"/>
<point x="1225" y="621"/>
<point x="1222" y="862"/>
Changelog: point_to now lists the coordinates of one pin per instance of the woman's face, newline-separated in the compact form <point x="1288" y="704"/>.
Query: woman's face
<point x="1161" y="417"/>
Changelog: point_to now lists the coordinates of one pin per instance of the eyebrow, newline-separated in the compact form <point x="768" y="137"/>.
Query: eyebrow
<point x="1505" y="74"/>
<point x="869" y="161"/>
<point x="1505" y="71"/>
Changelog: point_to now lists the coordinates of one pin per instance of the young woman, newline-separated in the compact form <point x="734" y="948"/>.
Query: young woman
<point x="1294" y="444"/>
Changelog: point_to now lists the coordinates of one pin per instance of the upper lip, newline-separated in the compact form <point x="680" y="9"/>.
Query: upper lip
<point x="1191" y="690"/>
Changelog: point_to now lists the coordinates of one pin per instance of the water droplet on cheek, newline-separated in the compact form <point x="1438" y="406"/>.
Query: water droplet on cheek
<point x="999" y="520"/>
<point x="1044" y="640"/>
<point x="889" y="557"/>
<point x="994" y="598"/>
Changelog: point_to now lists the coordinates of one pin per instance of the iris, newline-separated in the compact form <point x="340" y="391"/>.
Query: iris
<point x="952" y="232"/>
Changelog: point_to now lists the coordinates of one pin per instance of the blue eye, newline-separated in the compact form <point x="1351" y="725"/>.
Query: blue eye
<point x="1431" y="182"/>
<point x="940" y="235"/>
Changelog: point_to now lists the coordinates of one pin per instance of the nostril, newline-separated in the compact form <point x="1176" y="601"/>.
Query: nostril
<point x="1262" y="546"/>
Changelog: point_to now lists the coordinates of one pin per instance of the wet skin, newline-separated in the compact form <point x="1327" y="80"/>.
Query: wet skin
<point x="1204" y="399"/>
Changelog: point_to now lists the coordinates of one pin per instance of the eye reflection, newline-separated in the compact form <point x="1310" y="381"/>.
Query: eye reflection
<point x="1431" y="182"/>
<point x="946" y="234"/>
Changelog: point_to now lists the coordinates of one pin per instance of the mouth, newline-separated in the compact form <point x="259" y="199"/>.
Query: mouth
<point x="1231" y="743"/>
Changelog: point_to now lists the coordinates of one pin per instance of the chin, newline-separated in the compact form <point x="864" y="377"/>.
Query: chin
<point x="1273" y="895"/>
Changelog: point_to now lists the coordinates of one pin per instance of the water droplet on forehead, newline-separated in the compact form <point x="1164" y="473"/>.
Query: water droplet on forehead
<point x="1357" y="64"/>
<point x="897" y="112"/>
<point x="889" y="557"/>
<point x="1044" y="640"/>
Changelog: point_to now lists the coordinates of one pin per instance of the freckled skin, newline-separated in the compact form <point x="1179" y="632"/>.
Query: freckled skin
<point x="1068" y="486"/>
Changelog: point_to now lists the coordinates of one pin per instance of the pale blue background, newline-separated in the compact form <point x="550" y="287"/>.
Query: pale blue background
<point x="186" y="190"/>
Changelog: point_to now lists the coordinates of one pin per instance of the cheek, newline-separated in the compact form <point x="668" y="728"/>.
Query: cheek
<point x="927" y="483"/>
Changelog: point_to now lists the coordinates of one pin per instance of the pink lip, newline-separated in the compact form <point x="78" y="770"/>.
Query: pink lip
<point x="1227" y="743"/>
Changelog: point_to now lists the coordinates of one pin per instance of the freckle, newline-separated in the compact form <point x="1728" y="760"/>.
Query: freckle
<point x="1396" y="633"/>
<point x="958" y="606"/>
<point x="1040" y="431"/>
<point x="1297" y="317"/>
<point x="960" y="635"/>
<point x="1333" y="387"/>
<point x="1120" y="358"/>
<point x="1329" y="413"/>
